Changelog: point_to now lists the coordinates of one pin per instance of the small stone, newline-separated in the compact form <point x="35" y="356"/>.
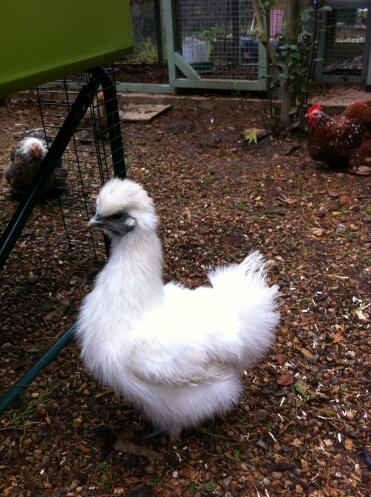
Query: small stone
<point x="340" y="228"/>
<point x="226" y="482"/>
<point x="299" y="489"/>
<point x="28" y="231"/>
<point x="266" y="481"/>
<point x="349" y="415"/>
<point x="321" y="212"/>
<point x="32" y="278"/>
<point x="276" y="475"/>
<point x="318" y="231"/>
<point x="250" y="134"/>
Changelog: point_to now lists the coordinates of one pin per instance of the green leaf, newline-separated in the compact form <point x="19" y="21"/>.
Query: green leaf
<point x="303" y="391"/>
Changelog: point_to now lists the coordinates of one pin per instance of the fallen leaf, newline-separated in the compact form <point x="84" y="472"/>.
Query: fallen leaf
<point x="336" y="337"/>
<point x="305" y="352"/>
<point x="84" y="449"/>
<point x="286" y="200"/>
<point x="348" y="444"/>
<point x="280" y="359"/>
<point x="297" y="442"/>
<point x="361" y="315"/>
<point x="137" y="450"/>
<point x="286" y="379"/>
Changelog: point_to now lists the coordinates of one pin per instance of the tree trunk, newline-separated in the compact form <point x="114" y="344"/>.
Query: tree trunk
<point x="288" y="96"/>
<point x="286" y="101"/>
<point x="262" y="32"/>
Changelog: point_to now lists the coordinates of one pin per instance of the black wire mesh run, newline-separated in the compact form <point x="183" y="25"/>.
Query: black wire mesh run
<point x="218" y="37"/>
<point x="345" y="42"/>
<point x="88" y="158"/>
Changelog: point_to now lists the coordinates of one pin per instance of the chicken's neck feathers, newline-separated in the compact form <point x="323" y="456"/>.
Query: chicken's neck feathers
<point x="132" y="277"/>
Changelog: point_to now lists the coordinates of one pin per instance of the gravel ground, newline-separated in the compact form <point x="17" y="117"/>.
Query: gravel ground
<point x="301" y="426"/>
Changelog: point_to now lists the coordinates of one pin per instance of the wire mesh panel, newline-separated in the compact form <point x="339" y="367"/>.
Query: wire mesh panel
<point x="146" y="62"/>
<point x="345" y="43"/>
<point x="217" y="38"/>
<point x="87" y="159"/>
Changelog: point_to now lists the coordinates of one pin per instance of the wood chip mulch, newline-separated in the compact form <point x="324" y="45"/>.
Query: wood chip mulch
<point x="301" y="426"/>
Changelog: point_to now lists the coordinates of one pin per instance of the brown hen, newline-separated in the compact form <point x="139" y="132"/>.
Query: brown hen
<point x="331" y="139"/>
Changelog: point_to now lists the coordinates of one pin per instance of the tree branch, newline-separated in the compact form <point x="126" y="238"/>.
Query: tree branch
<point x="262" y="32"/>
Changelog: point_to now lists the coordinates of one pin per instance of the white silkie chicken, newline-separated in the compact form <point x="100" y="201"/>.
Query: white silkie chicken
<point x="178" y="354"/>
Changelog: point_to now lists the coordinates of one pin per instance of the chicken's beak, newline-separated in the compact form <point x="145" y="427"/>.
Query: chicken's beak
<point x="96" y="222"/>
<point x="36" y="151"/>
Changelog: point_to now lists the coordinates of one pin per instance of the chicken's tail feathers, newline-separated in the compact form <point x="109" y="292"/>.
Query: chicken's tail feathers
<point x="252" y="268"/>
<point x="254" y="262"/>
<point x="245" y="284"/>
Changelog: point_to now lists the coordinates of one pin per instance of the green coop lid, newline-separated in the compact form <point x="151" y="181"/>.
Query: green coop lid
<point x="42" y="40"/>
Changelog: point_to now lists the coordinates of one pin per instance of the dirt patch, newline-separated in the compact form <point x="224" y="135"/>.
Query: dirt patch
<point x="300" y="428"/>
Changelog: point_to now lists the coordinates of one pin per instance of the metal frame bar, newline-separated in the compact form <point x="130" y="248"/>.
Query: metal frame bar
<point x="367" y="55"/>
<point x="24" y="210"/>
<point x="335" y="78"/>
<point x="177" y="63"/>
<point x="145" y="88"/>
<point x="183" y="75"/>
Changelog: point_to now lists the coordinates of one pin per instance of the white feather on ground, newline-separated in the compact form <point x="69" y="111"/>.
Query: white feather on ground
<point x="178" y="354"/>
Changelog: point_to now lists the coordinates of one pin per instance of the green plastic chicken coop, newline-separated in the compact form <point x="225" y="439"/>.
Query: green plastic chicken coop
<point x="46" y="40"/>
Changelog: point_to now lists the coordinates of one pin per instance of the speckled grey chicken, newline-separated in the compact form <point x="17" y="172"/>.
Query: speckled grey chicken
<point x="26" y="158"/>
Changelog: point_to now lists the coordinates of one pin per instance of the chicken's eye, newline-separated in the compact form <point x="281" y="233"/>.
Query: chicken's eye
<point x="117" y="216"/>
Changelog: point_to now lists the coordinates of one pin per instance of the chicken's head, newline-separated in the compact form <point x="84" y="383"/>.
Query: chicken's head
<point x="315" y="114"/>
<point x="123" y="206"/>
<point x="33" y="149"/>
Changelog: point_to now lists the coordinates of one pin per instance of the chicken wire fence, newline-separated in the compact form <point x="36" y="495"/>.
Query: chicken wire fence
<point x="87" y="158"/>
<point x="344" y="43"/>
<point x="217" y="38"/>
<point x="220" y="49"/>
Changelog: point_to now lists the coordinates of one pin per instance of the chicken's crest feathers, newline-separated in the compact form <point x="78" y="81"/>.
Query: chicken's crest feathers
<point x="118" y="195"/>
<point x="28" y="145"/>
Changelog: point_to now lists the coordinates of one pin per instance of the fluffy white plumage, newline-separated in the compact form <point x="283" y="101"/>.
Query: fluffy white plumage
<point x="176" y="353"/>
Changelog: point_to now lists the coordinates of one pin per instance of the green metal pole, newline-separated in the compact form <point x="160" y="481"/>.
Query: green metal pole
<point x="13" y="230"/>
<point x="158" y="29"/>
<point x="12" y="395"/>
